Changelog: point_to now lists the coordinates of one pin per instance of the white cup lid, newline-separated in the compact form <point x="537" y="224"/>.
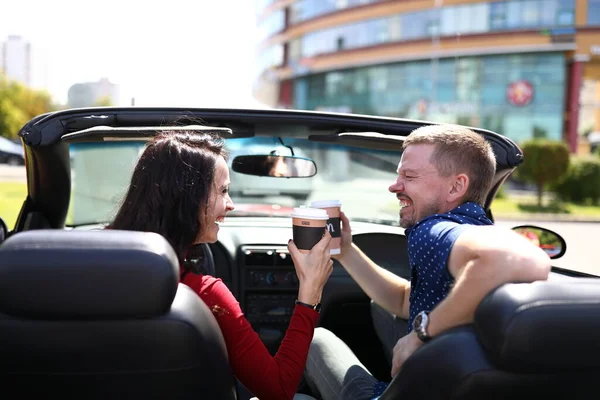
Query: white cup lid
<point x="310" y="213"/>
<point x="326" y="203"/>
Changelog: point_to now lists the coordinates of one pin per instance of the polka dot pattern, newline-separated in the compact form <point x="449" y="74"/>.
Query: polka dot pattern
<point x="429" y="245"/>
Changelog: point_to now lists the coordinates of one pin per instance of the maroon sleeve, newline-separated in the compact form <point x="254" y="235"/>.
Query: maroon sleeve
<point x="266" y="377"/>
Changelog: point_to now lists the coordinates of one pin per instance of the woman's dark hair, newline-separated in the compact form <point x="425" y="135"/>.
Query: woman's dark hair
<point x="171" y="186"/>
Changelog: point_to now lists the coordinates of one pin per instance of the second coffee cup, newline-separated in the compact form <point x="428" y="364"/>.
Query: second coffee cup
<point x="333" y="223"/>
<point x="308" y="227"/>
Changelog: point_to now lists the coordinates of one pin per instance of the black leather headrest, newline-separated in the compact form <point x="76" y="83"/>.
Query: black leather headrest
<point x="54" y="274"/>
<point x="542" y="326"/>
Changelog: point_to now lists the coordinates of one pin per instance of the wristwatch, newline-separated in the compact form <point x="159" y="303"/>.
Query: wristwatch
<point x="420" y="326"/>
<point x="316" y="307"/>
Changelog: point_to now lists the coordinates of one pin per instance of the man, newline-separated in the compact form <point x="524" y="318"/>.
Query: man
<point x="456" y="256"/>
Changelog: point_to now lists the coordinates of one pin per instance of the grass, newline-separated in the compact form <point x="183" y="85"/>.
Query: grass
<point x="522" y="206"/>
<point x="12" y="195"/>
<point x="508" y="206"/>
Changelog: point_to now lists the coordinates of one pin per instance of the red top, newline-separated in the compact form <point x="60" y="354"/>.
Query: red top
<point x="266" y="377"/>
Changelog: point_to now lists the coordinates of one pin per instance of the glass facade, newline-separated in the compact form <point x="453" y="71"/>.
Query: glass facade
<point x="270" y="57"/>
<point x="593" y="13"/>
<point x="464" y="19"/>
<point x="301" y="10"/>
<point x="273" y="23"/>
<point x="487" y="91"/>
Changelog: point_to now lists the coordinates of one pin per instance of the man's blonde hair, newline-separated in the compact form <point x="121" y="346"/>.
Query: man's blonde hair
<point x="459" y="150"/>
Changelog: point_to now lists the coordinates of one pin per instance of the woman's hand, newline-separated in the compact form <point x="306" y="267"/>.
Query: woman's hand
<point x="313" y="269"/>
<point x="346" y="237"/>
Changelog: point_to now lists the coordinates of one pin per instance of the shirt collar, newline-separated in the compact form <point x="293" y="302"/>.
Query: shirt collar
<point x="468" y="209"/>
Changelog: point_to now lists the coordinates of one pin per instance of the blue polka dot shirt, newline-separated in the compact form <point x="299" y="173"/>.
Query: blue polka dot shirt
<point x="429" y="245"/>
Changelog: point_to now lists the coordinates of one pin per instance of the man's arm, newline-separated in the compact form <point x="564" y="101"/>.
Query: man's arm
<point x="482" y="259"/>
<point x="385" y="288"/>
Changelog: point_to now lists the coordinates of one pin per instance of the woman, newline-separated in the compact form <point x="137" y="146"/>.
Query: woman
<point x="179" y="189"/>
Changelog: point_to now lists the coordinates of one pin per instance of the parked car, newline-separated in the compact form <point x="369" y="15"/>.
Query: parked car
<point x="11" y="153"/>
<point x="102" y="314"/>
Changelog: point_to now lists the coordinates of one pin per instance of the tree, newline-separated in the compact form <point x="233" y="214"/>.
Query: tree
<point x="545" y="162"/>
<point x="104" y="101"/>
<point x="539" y="133"/>
<point x="19" y="104"/>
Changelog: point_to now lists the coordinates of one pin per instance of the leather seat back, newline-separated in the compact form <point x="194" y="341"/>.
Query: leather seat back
<point x="101" y="314"/>
<point x="528" y="339"/>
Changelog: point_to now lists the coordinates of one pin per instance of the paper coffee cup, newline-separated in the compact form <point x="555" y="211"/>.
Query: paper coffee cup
<point x="308" y="227"/>
<point x="333" y="223"/>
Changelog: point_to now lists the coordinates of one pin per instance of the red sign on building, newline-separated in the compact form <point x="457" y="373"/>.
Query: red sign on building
<point x="519" y="93"/>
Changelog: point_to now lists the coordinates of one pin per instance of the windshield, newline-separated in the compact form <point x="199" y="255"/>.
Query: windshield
<point x="101" y="173"/>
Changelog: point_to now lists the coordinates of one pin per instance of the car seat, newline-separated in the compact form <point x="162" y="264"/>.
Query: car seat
<point x="101" y="314"/>
<point x="528" y="340"/>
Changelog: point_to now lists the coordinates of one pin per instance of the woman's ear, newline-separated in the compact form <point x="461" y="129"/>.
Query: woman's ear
<point x="459" y="187"/>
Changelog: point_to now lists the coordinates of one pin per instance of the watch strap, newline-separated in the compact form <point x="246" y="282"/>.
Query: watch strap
<point x="316" y="307"/>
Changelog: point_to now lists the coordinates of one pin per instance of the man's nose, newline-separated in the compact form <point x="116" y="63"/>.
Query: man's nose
<point x="396" y="186"/>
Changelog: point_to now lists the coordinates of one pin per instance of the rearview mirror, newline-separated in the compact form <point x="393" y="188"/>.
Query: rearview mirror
<point x="274" y="166"/>
<point x="551" y="242"/>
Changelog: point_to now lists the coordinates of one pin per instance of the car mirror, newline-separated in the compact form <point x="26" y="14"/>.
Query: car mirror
<point x="551" y="242"/>
<point x="3" y="230"/>
<point x="274" y="166"/>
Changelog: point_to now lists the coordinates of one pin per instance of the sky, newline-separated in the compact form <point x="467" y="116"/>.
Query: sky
<point x="194" y="53"/>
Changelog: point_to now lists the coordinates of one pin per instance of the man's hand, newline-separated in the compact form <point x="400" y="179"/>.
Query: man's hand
<point x="404" y="349"/>
<point x="346" y="236"/>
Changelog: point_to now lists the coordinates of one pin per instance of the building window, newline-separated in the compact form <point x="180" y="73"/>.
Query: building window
<point x="593" y="12"/>
<point x="472" y="90"/>
<point x="467" y="19"/>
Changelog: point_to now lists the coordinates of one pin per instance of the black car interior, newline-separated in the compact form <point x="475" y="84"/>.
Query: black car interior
<point x="251" y="257"/>
<point x="101" y="314"/>
<point x="528" y="340"/>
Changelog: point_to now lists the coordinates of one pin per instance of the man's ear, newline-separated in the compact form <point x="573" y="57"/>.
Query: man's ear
<point x="459" y="187"/>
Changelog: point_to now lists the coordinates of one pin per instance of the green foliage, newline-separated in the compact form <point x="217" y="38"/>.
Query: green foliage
<point x="539" y="133"/>
<point x="103" y="102"/>
<point x="545" y="162"/>
<point x="582" y="182"/>
<point x="19" y="104"/>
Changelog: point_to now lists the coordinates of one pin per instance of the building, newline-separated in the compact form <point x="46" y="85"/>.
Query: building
<point x="512" y="66"/>
<point x="93" y="93"/>
<point x="15" y="59"/>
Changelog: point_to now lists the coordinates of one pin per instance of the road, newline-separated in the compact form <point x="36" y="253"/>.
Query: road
<point x="12" y="173"/>
<point x="581" y="237"/>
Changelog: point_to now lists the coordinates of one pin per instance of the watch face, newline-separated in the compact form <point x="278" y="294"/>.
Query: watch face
<point x="420" y="325"/>
<point x="418" y="320"/>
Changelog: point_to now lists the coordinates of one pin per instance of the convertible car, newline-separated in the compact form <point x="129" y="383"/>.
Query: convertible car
<point x="90" y="313"/>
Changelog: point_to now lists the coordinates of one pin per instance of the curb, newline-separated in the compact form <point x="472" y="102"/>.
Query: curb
<point x="546" y="217"/>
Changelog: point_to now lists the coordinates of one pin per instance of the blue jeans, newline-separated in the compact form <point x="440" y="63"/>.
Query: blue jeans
<point x="335" y="373"/>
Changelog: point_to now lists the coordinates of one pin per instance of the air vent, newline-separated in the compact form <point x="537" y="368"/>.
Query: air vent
<point x="259" y="257"/>
<point x="266" y="256"/>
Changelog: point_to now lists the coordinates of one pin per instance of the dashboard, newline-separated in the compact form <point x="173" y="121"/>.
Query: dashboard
<point x="251" y="257"/>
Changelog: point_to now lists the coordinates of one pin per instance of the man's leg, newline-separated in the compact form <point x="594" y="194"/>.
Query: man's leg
<point x="334" y="372"/>
<point x="389" y="329"/>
